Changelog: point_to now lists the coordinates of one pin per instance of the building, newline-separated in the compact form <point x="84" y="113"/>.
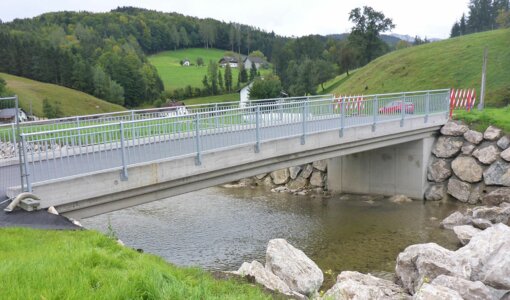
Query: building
<point x="259" y="62"/>
<point x="186" y="63"/>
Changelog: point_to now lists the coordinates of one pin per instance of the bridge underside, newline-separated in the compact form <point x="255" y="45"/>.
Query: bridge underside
<point x="97" y="193"/>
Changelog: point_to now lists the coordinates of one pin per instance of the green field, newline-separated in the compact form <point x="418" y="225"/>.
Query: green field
<point x="175" y="76"/>
<point x="72" y="102"/>
<point x="51" y="264"/>
<point x="452" y="63"/>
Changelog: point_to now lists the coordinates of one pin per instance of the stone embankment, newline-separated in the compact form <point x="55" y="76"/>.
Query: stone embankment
<point x="470" y="166"/>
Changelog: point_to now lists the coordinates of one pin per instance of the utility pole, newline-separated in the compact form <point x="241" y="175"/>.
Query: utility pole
<point x="482" y="90"/>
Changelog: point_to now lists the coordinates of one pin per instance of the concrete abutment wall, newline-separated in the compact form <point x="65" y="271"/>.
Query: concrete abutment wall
<point x="398" y="169"/>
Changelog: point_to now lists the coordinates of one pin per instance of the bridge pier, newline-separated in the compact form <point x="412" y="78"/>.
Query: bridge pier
<point x="397" y="169"/>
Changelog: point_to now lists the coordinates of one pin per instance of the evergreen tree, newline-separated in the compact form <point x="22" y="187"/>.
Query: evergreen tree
<point x="228" y="78"/>
<point x="212" y="70"/>
<point x="207" y="87"/>
<point x="220" y="81"/>
<point x="253" y="71"/>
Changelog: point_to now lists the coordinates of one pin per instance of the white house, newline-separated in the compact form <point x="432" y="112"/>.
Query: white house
<point x="186" y="63"/>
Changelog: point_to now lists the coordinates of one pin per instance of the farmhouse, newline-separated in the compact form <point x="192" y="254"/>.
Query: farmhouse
<point x="233" y="61"/>
<point x="259" y="62"/>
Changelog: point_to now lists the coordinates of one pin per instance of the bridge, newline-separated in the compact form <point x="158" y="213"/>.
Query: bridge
<point x="90" y="165"/>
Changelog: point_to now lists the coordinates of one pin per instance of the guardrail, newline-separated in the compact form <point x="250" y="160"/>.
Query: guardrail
<point x="66" y="152"/>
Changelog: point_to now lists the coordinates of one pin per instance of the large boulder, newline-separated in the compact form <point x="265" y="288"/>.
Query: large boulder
<point x="298" y="183"/>
<point x="263" y="277"/>
<point x="473" y="137"/>
<point x="455" y="219"/>
<point x="294" y="172"/>
<point x="467" y="148"/>
<point x="291" y="265"/>
<point x="353" y="285"/>
<point x="481" y="223"/>
<point x="492" y="133"/>
<point x="439" y="170"/>
<point x="320" y="165"/>
<point x="465" y="232"/>
<point x="454" y="129"/>
<point x="459" y="189"/>
<point x="504" y="142"/>
<point x="447" y="147"/>
<point x="497" y="174"/>
<point x="497" y="196"/>
<point x="307" y="171"/>
<point x="280" y="176"/>
<point x="317" y="179"/>
<point x="505" y="154"/>
<point x="436" y="292"/>
<point x="424" y="262"/>
<point x="487" y="155"/>
<point x="467" y="169"/>
<point x="496" y="269"/>
<point x="468" y="290"/>
<point x="494" y="214"/>
<point x="482" y="248"/>
<point x="435" y="192"/>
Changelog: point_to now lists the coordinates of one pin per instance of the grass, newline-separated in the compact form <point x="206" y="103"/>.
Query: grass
<point x="452" y="63"/>
<point x="46" y="264"/>
<point x="175" y="76"/>
<point x="72" y="102"/>
<point x="331" y="85"/>
<point x="213" y="99"/>
<point x="480" y="120"/>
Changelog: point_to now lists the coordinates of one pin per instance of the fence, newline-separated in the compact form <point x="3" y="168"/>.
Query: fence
<point x="65" y="152"/>
<point x="462" y="99"/>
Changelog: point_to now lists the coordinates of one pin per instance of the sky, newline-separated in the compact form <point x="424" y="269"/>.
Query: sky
<point x="425" y="18"/>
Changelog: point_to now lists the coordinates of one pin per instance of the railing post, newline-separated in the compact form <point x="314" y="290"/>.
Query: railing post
<point x="403" y="109"/>
<point x="198" y="158"/>
<point x="14" y="142"/>
<point x="342" y="116"/>
<point x="123" y="173"/>
<point x="375" y="105"/>
<point x="216" y="120"/>
<point x="427" y="107"/>
<point x="24" y="169"/>
<point x="133" y="126"/>
<point x="257" y="129"/>
<point x="303" y="123"/>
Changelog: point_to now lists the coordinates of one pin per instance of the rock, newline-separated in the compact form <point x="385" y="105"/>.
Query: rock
<point x="423" y="262"/>
<point x="496" y="269"/>
<point x="473" y="137"/>
<point x="400" y="199"/>
<point x="291" y="265"/>
<point x="261" y="176"/>
<point x="493" y="214"/>
<point x="320" y="165"/>
<point x="52" y="210"/>
<point x="483" y="247"/>
<point x="497" y="196"/>
<point x="435" y="192"/>
<point x="504" y="142"/>
<point x="447" y="147"/>
<point x="280" y="176"/>
<point x="307" y="171"/>
<point x="481" y="223"/>
<point x="280" y="189"/>
<point x="467" y="169"/>
<point x="468" y="290"/>
<point x="439" y="171"/>
<point x="455" y="219"/>
<point x="459" y="189"/>
<point x="505" y="154"/>
<point x="436" y="292"/>
<point x="465" y="232"/>
<point x="298" y="183"/>
<point x="476" y="193"/>
<point x="354" y="285"/>
<point x="487" y="155"/>
<point x="492" y="133"/>
<point x="497" y="174"/>
<point x="454" y="129"/>
<point x="467" y="148"/>
<point x="268" y="181"/>
<point x="316" y="179"/>
<point x="294" y="172"/>
<point x="263" y="277"/>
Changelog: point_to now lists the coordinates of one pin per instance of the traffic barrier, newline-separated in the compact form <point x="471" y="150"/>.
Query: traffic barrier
<point x="462" y="99"/>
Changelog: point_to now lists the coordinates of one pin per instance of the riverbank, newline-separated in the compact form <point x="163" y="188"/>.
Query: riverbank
<point x="85" y="264"/>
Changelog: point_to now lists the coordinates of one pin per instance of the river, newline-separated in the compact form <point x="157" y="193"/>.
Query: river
<point x="220" y="228"/>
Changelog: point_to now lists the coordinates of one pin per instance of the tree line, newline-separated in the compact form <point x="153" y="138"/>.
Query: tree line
<point x="483" y="15"/>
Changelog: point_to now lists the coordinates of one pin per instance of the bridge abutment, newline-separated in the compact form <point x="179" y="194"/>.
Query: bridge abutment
<point x="398" y="169"/>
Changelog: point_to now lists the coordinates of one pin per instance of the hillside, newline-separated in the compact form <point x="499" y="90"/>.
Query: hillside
<point x="72" y="102"/>
<point x="452" y="63"/>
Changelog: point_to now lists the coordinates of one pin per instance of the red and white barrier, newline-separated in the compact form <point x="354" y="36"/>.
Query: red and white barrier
<point x="462" y="99"/>
<point x="352" y="103"/>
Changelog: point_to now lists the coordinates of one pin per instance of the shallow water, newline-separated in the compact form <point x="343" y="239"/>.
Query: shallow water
<point x="220" y="228"/>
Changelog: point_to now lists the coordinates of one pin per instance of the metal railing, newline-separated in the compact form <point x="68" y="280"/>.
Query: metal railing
<point x="117" y="145"/>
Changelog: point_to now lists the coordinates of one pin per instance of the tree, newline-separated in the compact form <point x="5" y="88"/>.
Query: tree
<point x="200" y="61"/>
<point x="365" y="33"/>
<point x="266" y="88"/>
<point x="183" y="34"/>
<point x="402" y="45"/>
<point x="228" y="78"/>
<point x="220" y="81"/>
<point x="212" y="70"/>
<point x="3" y="88"/>
<point x="324" y="71"/>
<point x="52" y="111"/>
<point x="455" y="30"/>
<point x="503" y="19"/>
<point x="253" y="71"/>
<point x="205" y="82"/>
<point x="243" y="75"/>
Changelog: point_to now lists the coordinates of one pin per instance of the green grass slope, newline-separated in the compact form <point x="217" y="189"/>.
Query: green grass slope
<point x="48" y="264"/>
<point x="452" y="63"/>
<point x="175" y="76"/>
<point x="72" y="102"/>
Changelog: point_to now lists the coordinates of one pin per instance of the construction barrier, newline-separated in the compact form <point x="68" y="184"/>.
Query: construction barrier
<point x="353" y="104"/>
<point x="462" y="99"/>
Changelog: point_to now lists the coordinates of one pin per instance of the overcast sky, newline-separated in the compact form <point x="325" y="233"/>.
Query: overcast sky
<point x="426" y="18"/>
